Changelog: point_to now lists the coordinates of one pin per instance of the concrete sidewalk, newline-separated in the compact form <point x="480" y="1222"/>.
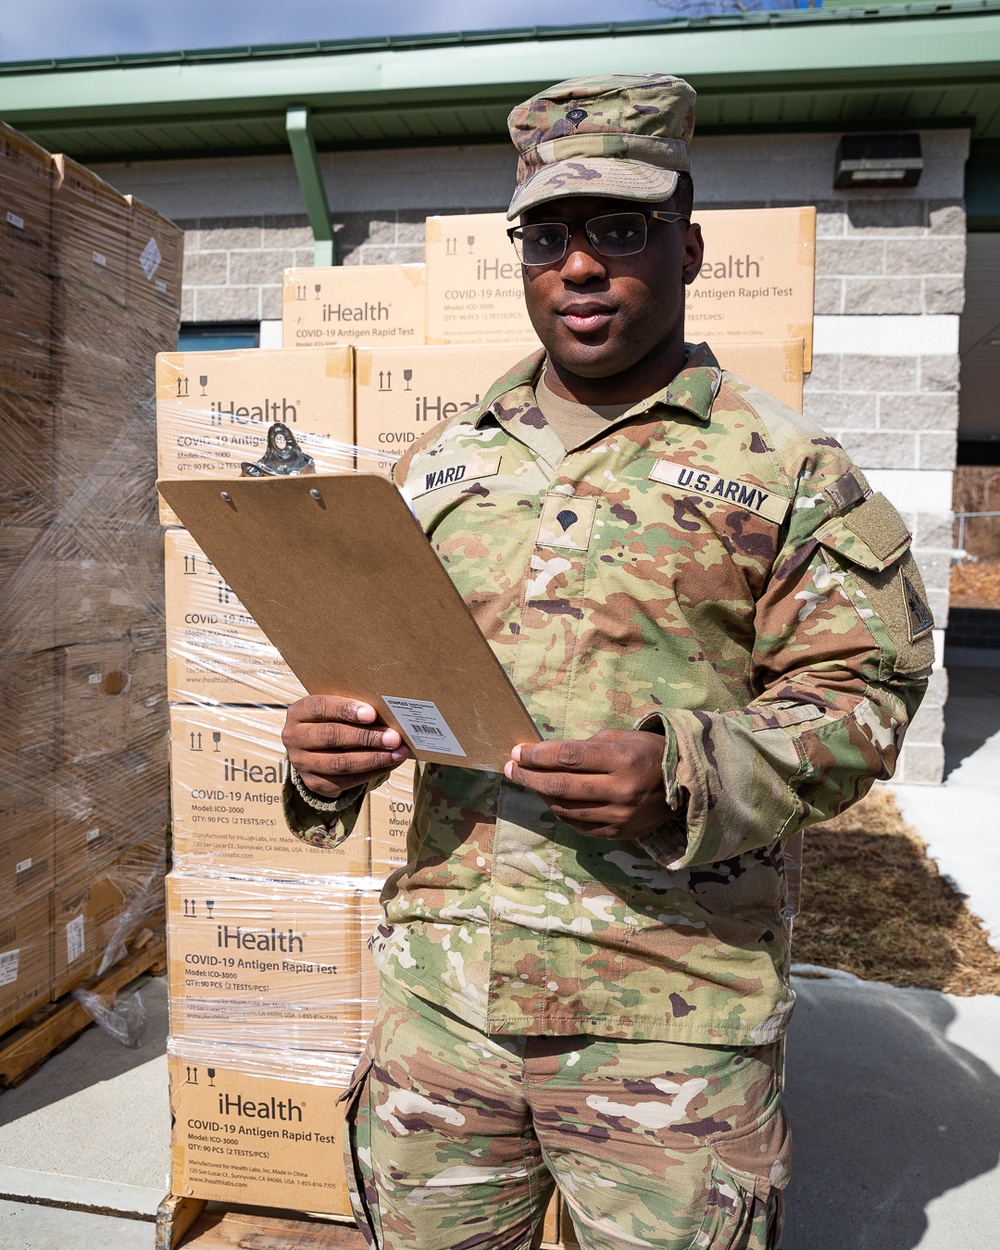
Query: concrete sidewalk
<point x="894" y="1097"/>
<point x="960" y="820"/>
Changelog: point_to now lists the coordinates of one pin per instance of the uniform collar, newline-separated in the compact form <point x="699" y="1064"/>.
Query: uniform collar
<point x="693" y="390"/>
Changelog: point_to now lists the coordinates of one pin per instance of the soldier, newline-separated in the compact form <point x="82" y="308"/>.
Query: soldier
<point x="721" y="635"/>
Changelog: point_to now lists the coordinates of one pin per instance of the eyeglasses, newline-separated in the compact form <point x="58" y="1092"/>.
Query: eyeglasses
<point x="612" y="234"/>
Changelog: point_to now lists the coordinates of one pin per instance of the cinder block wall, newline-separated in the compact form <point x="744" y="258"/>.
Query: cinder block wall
<point x="889" y="289"/>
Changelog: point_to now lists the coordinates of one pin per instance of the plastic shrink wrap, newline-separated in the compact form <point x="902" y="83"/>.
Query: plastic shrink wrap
<point x="90" y="292"/>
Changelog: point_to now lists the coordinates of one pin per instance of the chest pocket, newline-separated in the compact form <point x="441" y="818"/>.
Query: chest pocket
<point x="874" y="541"/>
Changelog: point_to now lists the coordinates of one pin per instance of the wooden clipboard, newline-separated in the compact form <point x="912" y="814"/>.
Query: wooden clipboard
<point x="341" y="578"/>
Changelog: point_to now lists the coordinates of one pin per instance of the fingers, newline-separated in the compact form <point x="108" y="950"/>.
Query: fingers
<point x="332" y="707"/>
<point x="606" y="752"/>
<point x="610" y="785"/>
<point x="327" y="788"/>
<point x="336" y="743"/>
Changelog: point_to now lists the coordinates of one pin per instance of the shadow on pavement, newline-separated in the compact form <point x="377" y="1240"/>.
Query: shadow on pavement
<point x="89" y="1059"/>
<point x="972" y="712"/>
<point x="886" y="1115"/>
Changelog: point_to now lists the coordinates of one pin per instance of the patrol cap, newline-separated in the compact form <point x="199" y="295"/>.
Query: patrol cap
<point x="621" y="135"/>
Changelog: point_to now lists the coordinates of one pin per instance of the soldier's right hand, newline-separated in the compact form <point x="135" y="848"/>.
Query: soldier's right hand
<point x="336" y="743"/>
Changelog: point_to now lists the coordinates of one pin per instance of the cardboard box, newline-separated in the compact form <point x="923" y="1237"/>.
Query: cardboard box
<point x="266" y="964"/>
<point x="402" y="392"/>
<point x="27" y="589"/>
<point x="364" y="304"/>
<point x="30" y="686"/>
<point x="757" y="278"/>
<point x="95" y="915"/>
<point x="26" y="335"/>
<point x="27" y="486"/>
<point x="215" y="650"/>
<point x="89" y="230"/>
<point x="474" y="288"/>
<point x="390" y="811"/>
<point x="255" y="1128"/>
<point x="213" y="409"/>
<point x="227" y="769"/>
<point x="107" y="582"/>
<point x="775" y="367"/>
<point x="25" y="202"/>
<point x="153" y="261"/>
<point x="25" y="960"/>
<point x="109" y="802"/>
<point x="95" y="684"/>
<point x="90" y="365"/>
<point x="27" y="843"/>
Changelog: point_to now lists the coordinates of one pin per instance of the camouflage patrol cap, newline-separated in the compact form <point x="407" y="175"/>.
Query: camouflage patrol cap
<point x="620" y="135"/>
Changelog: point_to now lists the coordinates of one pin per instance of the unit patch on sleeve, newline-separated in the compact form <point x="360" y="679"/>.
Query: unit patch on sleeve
<point x="765" y="503"/>
<point x="919" y="616"/>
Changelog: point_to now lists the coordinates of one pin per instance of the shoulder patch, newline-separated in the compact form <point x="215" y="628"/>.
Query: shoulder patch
<point x="918" y="614"/>
<point x="695" y="481"/>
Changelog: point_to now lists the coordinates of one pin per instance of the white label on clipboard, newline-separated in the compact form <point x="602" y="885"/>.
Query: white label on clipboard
<point x="424" y="725"/>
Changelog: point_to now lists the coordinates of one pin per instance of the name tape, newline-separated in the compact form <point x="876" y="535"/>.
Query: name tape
<point x="764" y="503"/>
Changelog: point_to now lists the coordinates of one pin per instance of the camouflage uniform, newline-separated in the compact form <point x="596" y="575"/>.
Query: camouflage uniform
<point x="710" y="568"/>
<point x="713" y="568"/>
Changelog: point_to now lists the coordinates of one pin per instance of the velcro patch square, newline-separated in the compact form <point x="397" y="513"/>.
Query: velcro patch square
<point x="566" y="522"/>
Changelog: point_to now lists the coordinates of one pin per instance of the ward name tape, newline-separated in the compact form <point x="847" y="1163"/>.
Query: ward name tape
<point x="726" y="490"/>
<point x="424" y="725"/>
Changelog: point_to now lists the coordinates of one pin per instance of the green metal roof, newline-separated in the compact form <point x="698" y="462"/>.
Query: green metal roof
<point x="861" y="67"/>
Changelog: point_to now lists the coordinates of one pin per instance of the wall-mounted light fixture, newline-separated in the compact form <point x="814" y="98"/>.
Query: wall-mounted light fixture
<point x="878" y="161"/>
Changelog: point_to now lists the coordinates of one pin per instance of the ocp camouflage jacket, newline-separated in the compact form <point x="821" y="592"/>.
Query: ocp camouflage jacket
<point x="713" y="568"/>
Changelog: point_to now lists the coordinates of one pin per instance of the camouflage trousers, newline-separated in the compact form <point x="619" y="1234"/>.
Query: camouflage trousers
<point x="456" y="1138"/>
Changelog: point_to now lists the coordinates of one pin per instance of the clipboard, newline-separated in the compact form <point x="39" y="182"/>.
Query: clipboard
<point x="340" y="577"/>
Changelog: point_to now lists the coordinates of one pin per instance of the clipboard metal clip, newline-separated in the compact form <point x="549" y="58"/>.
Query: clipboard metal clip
<point x="284" y="457"/>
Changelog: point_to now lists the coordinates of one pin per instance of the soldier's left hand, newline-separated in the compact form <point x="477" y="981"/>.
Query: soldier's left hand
<point x="607" y="786"/>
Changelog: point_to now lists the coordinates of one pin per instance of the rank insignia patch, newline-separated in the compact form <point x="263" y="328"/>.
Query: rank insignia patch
<point x="566" y="522"/>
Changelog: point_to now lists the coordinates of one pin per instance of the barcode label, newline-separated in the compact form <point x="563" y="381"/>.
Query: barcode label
<point x="18" y="224"/>
<point x="22" y="866"/>
<point x="100" y="259"/>
<point x="75" y="944"/>
<point x="8" y="966"/>
<point x="424" y="726"/>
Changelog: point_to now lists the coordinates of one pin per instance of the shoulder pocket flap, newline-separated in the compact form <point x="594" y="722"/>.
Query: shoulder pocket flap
<point x="873" y="534"/>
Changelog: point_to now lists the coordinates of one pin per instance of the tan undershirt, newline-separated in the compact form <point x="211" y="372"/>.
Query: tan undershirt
<point x="573" y="423"/>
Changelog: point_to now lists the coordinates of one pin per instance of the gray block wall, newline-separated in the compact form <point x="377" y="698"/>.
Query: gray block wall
<point x="897" y="254"/>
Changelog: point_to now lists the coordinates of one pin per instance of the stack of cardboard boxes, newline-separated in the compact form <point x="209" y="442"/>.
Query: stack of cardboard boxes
<point x="372" y="358"/>
<point x="263" y="930"/>
<point x="90" y="291"/>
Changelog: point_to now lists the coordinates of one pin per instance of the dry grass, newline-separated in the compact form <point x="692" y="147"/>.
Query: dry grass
<point x="976" y="585"/>
<point x="874" y="904"/>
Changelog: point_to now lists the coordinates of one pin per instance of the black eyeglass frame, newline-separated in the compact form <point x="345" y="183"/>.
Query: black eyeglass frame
<point x="647" y="214"/>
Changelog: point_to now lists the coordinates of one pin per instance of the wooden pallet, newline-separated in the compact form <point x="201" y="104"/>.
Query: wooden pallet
<point x="25" y="1048"/>
<point x="194" y="1224"/>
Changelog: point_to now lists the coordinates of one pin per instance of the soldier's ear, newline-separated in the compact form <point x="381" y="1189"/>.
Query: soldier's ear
<point x="694" y="252"/>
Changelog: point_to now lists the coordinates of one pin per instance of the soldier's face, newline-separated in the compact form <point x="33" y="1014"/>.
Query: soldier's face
<point x="599" y="316"/>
